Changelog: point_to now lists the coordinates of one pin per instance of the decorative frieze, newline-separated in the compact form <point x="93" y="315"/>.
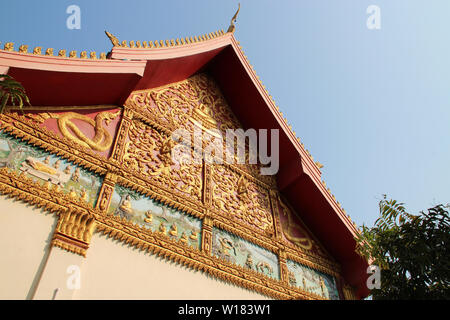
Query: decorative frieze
<point x="226" y="220"/>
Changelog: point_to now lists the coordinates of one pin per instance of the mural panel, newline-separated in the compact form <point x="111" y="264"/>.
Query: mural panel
<point x="246" y="254"/>
<point x="155" y="216"/>
<point x="49" y="169"/>
<point x="198" y="106"/>
<point x="312" y="280"/>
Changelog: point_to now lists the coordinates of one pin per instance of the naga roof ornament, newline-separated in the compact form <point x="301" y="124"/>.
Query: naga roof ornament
<point x="172" y="43"/>
<point x="232" y="27"/>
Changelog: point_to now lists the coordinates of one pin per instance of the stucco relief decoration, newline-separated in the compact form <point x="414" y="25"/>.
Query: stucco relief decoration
<point x="238" y="251"/>
<point x="51" y="171"/>
<point x="148" y="152"/>
<point x="240" y="199"/>
<point x="198" y="106"/>
<point x="140" y="196"/>
<point x="312" y="281"/>
<point x="155" y="216"/>
<point x="294" y="232"/>
<point x="94" y="130"/>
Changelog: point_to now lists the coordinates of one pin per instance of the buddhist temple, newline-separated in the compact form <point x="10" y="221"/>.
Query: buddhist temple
<point x="93" y="207"/>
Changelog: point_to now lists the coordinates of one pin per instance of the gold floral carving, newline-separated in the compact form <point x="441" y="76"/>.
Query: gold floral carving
<point x="207" y="233"/>
<point x="274" y="207"/>
<point x="105" y="197"/>
<point x="284" y="272"/>
<point x="349" y="293"/>
<point x="235" y="198"/>
<point x="149" y="153"/>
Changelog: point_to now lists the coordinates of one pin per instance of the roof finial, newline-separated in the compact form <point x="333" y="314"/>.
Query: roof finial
<point x="232" y="27"/>
<point x="113" y="39"/>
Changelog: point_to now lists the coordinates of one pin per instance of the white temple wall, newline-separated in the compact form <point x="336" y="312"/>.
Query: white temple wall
<point x="25" y="235"/>
<point x="29" y="269"/>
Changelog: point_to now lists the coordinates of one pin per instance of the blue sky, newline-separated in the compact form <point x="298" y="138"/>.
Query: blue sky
<point x="372" y="105"/>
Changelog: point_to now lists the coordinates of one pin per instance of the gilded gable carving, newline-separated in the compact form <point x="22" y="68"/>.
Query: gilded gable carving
<point x="195" y="102"/>
<point x="148" y="152"/>
<point x="155" y="216"/>
<point x="237" y="198"/>
<point x="92" y="130"/>
<point x="195" y="105"/>
<point x="115" y="175"/>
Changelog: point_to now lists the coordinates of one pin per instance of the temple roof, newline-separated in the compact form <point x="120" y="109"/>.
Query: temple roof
<point x="136" y="65"/>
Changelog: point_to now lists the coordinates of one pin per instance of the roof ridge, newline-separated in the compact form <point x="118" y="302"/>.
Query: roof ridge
<point x="9" y="46"/>
<point x="163" y="43"/>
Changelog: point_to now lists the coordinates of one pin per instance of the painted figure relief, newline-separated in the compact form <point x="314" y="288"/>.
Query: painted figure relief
<point x="157" y="217"/>
<point x="311" y="280"/>
<point x="241" y="252"/>
<point x="49" y="169"/>
<point x="102" y="140"/>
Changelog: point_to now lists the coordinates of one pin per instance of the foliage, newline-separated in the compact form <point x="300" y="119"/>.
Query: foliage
<point x="413" y="252"/>
<point x="12" y="92"/>
<point x="123" y="192"/>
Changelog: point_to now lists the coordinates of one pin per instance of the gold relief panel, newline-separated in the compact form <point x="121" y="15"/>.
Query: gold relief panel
<point x="34" y="133"/>
<point x="240" y="199"/>
<point x="195" y="102"/>
<point x="198" y="106"/>
<point x="92" y="129"/>
<point x="148" y="153"/>
<point x="156" y="217"/>
<point x="53" y="172"/>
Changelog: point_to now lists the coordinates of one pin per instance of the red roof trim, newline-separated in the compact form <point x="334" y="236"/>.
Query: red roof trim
<point x="61" y="64"/>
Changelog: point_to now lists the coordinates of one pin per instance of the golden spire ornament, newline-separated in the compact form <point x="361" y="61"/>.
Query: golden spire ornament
<point x="232" y="27"/>
<point x="113" y="39"/>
